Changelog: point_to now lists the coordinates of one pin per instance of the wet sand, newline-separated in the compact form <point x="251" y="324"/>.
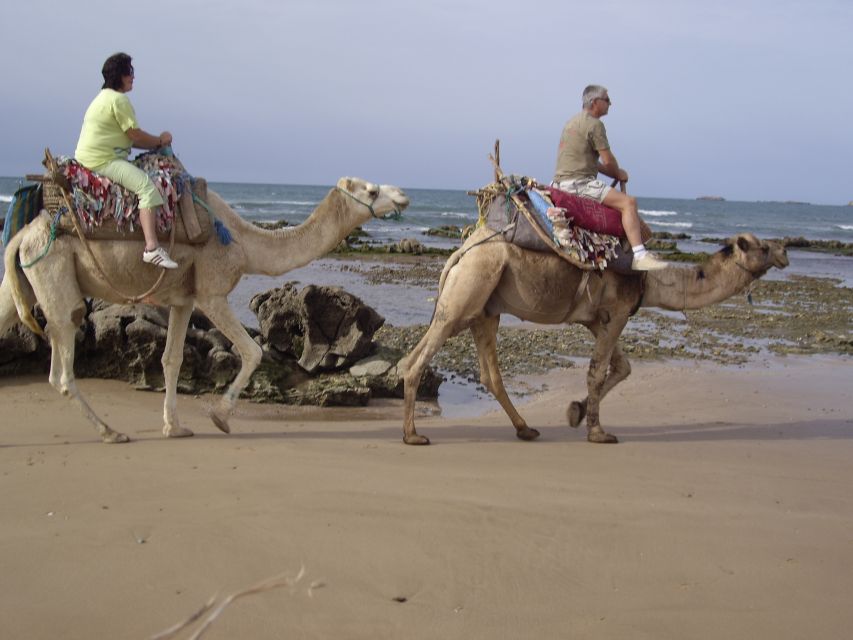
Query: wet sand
<point x="725" y="511"/>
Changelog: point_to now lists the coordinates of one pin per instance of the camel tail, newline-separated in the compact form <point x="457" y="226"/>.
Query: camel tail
<point x="17" y="293"/>
<point x="451" y="262"/>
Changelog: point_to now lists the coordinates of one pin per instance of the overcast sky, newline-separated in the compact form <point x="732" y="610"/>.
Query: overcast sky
<point x="746" y="99"/>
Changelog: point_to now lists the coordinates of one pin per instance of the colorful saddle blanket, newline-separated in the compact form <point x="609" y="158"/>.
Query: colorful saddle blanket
<point x="96" y="197"/>
<point x="108" y="211"/>
<point x="499" y="206"/>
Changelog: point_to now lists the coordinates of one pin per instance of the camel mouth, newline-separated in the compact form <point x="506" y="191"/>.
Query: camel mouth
<point x="398" y="201"/>
<point x="401" y="203"/>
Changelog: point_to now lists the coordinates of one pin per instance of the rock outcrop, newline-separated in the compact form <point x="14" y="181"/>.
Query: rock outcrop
<point x="318" y="350"/>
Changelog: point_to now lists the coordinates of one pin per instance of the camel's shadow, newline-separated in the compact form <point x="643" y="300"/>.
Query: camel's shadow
<point x="461" y="434"/>
<point x="840" y="429"/>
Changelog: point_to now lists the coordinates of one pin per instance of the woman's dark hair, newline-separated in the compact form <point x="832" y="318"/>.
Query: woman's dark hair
<point x="116" y="66"/>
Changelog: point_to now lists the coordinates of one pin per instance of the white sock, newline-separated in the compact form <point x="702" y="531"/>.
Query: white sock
<point x="639" y="251"/>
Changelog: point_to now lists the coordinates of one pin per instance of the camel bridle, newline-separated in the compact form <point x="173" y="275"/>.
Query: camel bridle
<point x="397" y="212"/>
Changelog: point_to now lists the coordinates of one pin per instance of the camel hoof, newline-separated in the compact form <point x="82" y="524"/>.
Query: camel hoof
<point x="601" y="437"/>
<point x="527" y="434"/>
<point x="416" y="439"/>
<point x="114" y="438"/>
<point x="177" y="432"/>
<point x="220" y="422"/>
<point x="576" y="413"/>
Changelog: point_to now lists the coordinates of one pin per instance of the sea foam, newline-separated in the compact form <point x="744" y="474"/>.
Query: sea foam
<point x="683" y="225"/>
<point x="656" y="214"/>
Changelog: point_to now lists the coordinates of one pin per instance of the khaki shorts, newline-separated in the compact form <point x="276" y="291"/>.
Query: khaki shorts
<point x="585" y="187"/>
<point x="133" y="178"/>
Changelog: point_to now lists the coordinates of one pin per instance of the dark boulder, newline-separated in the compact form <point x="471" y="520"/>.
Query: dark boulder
<point x="317" y="343"/>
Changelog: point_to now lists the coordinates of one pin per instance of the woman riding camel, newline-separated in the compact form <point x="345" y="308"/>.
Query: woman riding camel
<point x="109" y="132"/>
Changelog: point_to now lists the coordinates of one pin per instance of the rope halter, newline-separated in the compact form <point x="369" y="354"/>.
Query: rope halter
<point x="396" y="215"/>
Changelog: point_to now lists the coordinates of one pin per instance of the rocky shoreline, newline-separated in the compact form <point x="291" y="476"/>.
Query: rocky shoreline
<point x="318" y="349"/>
<point x="800" y="316"/>
<point x="797" y="316"/>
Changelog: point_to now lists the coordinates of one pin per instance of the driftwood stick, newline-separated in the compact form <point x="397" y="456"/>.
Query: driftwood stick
<point x="215" y="611"/>
<point x="172" y="631"/>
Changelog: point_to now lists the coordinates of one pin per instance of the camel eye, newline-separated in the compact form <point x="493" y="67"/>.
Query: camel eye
<point x="373" y="191"/>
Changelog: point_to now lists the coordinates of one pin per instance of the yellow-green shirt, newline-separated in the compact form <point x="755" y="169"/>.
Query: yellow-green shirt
<point x="102" y="137"/>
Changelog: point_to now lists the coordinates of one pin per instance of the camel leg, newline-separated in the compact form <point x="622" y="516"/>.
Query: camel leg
<point x="221" y="315"/>
<point x="485" y="332"/>
<point x="620" y="368"/>
<point x="62" y="303"/>
<point x="8" y="312"/>
<point x="173" y="357"/>
<point x="606" y="337"/>
<point x="413" y="367"/>
<point x="62" y="332"/>
<point x="462" y="298"/>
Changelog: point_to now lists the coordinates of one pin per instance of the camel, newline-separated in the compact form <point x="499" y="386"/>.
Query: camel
<point x="488" y="276"/>
<point x="206" y="275"/>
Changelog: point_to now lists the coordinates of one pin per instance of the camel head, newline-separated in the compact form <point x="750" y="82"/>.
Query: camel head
<point x="754" y="255"/>
<point x="378" y="199"/>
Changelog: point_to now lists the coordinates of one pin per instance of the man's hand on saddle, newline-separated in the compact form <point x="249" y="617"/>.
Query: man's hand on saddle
<point x="165" y="139"/>
<point x="622" y="179"/>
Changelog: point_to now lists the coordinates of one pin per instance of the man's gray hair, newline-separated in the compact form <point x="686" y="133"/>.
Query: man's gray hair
<point x="592" y="92"/>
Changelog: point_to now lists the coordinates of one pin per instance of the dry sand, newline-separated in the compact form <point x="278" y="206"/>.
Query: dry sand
<point x="725" y="512"/>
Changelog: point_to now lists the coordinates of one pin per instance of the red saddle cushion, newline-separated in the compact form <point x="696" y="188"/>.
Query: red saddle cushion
<point x="588" y="214"/>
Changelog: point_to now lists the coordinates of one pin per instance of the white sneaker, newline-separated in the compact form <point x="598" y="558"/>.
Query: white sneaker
<point x="649" y="262"/>
<point x="159" y="258"/>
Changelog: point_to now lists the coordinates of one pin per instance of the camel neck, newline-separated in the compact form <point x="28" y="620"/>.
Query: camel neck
<point x="678" y="288"/>
<point x="275" y="252"/>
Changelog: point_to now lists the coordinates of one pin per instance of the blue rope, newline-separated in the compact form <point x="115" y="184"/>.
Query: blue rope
<point x="222" y="231"/>
<point x="53" y="226"/>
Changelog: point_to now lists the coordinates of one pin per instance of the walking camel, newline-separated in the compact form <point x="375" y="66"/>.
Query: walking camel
<point x="488" y="276"/>
<point x="206" y="275"/>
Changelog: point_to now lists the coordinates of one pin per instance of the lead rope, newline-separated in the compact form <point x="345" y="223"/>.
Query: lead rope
<point x="50" y="163"/>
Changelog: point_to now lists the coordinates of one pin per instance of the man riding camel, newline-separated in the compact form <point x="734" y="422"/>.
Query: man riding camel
<point x="584" y="152"/>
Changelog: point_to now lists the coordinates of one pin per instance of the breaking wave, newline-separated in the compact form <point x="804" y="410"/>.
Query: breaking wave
<point x="681" y="225"/>
<point x="656" y="214"/>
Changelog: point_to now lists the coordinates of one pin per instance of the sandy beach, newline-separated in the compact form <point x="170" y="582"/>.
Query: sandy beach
<point x="724" y="512"/>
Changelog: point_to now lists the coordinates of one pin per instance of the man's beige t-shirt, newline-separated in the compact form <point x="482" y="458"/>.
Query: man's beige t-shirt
<point x="103" y="137"/>
<point x="582" y="138"/>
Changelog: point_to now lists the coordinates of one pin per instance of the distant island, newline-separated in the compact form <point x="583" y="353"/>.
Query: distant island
<point x="714" y="198"/>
